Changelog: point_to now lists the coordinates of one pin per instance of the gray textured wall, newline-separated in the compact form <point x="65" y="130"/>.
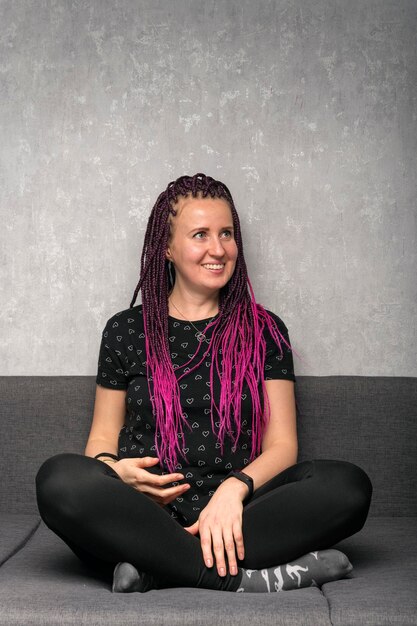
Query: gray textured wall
<point x="307" y="110"/>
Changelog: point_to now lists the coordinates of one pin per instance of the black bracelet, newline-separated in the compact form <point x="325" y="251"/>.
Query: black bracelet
<point x="107" y="454"/>
<point x="245" y="479"/>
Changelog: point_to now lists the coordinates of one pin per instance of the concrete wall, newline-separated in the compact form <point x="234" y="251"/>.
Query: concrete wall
<point x="305" y="109"/>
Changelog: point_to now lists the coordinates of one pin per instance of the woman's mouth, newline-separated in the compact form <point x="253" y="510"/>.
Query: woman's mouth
<point x="217" y="268"/>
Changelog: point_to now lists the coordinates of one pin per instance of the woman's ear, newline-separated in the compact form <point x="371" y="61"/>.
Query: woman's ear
<point x="168" y="254"/>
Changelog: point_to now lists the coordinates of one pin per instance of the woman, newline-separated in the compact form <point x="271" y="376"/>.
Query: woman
<point x="190" y="474"/>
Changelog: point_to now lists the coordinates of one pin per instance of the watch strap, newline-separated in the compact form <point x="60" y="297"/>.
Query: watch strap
<point x="244" y="478"/>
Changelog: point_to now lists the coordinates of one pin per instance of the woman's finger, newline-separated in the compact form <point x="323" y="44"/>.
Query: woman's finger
<point x="218" y="549"/>
<point x="238" y="538"/>
<point x="229" y="546"/>
<point x="160" y="481"/>
<point x="205" y="541"/>
<point x="193" y="529"/>
<point x="165" y="498"/>
<point x="157" y="479"/>
<point x="164" y="495"/>
<point x="145" y="461"/>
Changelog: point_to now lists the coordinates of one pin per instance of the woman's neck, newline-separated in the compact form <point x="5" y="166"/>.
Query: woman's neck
<point x="192" y="307"/>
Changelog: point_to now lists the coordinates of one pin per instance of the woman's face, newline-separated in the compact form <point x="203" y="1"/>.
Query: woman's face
<point x="202" y="246"/>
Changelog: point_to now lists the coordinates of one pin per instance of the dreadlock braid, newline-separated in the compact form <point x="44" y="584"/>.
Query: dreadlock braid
<point x="237" y="334"/>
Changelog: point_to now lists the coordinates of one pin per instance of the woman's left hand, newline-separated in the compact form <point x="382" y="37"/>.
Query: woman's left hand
<point x="220" y="527"/>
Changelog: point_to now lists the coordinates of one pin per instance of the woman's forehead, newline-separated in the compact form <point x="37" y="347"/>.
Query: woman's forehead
<point x="194" y="209"/>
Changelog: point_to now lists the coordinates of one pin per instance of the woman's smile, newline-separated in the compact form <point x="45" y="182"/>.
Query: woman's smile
<point x="214" y="267"/>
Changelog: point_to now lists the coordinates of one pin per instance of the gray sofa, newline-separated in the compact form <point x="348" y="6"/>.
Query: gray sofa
<point x="365" y="420"/>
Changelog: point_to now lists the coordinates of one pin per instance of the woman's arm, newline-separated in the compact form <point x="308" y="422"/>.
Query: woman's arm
<point x="279" y="444"/>
<point x="108" y="419"/>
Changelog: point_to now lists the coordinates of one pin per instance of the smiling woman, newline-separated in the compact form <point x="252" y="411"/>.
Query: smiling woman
<point x="190" y="475"/>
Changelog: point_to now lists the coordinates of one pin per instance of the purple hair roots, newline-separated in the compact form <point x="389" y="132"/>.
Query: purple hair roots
<point x="237" y="335"/>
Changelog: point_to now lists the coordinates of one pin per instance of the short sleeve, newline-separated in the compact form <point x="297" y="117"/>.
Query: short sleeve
<point x="278" y="365"/>
<point x="111" y="372"/>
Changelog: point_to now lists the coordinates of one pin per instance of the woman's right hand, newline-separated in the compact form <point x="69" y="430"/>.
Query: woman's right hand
<point x="133" y="472"/>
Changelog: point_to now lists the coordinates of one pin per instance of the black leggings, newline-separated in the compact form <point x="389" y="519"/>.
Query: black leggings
<point x="309" y="506"/>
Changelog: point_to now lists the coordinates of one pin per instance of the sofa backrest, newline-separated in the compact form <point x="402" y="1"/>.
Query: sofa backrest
<point x="370" y="421"/>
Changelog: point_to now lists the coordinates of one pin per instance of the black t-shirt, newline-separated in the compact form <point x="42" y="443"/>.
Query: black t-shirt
<point x="122" y="365"/>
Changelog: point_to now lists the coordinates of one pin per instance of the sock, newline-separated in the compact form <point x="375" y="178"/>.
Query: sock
<point x="311" y="570"/>
<point x="127" y="579"/>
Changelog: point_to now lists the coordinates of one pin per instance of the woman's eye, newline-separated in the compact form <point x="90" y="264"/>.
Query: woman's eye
<point x="225" y="233"/>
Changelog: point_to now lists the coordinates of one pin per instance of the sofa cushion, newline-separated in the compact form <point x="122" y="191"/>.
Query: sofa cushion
<point x="370" y="421"/>
<point x="15" y="531"/>
<point x="382" y="588"/>
<point x="40" y="416"/>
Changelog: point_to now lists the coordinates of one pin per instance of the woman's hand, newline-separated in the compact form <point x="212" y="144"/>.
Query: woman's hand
<point x="134" y="473"/>
<point x="220" y="527"/>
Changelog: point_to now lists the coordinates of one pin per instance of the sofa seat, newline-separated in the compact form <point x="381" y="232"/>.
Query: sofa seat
<point x="43" y="583"/>
<point x="382" y="588"/>
<point x="15" y="530"/>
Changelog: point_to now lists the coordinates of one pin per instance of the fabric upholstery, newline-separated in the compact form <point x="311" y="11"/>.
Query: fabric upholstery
<point x="40" y="416"/>
<point x="383" y="584"/>
<point x="370" y="421"/>
<point x="15" y="530"/>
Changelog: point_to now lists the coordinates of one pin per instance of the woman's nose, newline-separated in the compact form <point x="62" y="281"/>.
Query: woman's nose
<point x="216" y="247"/>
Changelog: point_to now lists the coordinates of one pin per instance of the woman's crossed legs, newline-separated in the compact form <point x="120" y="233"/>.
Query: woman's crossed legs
<point x="308" y="507"/>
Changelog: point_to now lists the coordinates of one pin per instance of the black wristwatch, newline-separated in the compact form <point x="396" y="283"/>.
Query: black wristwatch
<point x="245" y="479"/>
